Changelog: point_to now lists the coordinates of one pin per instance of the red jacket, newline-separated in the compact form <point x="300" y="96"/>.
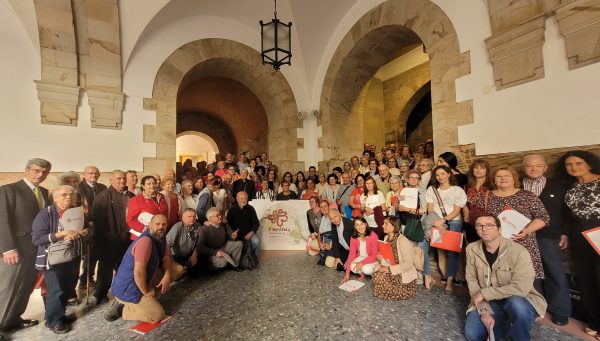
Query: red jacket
<point x="139" y="204"/>
<point x="372" y="250"/>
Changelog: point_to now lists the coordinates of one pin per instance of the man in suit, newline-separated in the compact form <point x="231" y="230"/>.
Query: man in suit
<point x="89" y="188"/>
<point x="342" y="231"/>
<point x="20" y="202"/>
<point x="552" y="239"/>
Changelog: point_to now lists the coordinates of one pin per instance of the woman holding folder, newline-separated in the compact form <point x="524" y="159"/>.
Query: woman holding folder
<point x="581" y="170"/>
<point x="447" y="199"/>
<point x="506" y="194"/>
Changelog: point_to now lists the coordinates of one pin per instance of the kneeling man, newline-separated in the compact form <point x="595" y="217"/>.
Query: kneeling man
<point x="182" y="239"/>
<point x="214" y="242"/>
<point x="139" y="276"/>
<point x="500" y="277"/>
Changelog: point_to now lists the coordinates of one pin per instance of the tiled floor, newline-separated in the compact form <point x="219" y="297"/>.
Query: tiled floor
<point x="288" y="298"/>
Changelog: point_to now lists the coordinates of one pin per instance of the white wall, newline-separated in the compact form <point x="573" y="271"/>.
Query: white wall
<point x="22" y="136"/>
<point x="560" y="110"/>
<point x="196" y="143"/>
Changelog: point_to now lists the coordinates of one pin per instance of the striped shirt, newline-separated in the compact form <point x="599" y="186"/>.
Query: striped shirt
<point x="534" y="185"/>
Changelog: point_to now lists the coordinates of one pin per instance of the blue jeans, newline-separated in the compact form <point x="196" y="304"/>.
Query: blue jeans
<point x="452" y="263"/>
<point x="425" y="246"/>
<point x="255" y="246"/>
<point x="58" y="279"/>
<point x="513" y="317"/>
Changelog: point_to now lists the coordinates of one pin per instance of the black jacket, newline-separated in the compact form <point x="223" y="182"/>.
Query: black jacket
<point x="245" y="186"/>
<point x="338" y="250"/>
<point x="90" y="193"/>
<point x="18" y="208"/>
<point x="109" y="214"/>
<point x="553" y="198"/>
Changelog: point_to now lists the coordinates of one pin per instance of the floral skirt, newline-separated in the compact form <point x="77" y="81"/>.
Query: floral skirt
<point x="390" y="287"/>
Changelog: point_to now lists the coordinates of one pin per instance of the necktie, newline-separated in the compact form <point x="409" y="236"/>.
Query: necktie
<point x="38" y="196"/>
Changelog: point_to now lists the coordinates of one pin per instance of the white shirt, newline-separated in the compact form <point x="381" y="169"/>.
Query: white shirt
<point x="451" y="196"/>
<point x="372" y="201"/>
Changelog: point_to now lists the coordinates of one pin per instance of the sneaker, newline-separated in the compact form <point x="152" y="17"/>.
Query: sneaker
<point x="114" y="312"/>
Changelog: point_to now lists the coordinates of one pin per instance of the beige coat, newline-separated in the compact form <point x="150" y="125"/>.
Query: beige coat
<point x="406" y="265"/>
<point x="512" y="274"/>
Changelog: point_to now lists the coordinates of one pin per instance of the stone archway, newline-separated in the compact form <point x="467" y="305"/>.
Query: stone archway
<point x="229" y="59"/>
<point x="371" y="41"/>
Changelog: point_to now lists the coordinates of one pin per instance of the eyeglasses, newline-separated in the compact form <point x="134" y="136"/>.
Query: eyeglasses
<point x="484" y="227"/>
<point x="414" y="177"/>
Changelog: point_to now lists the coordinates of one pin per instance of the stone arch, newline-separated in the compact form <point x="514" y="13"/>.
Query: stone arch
<point x="409" y="107"/>
<point x="221" y="58"/>
<point x="208" y="139"/>
<point x="368" y="45"/>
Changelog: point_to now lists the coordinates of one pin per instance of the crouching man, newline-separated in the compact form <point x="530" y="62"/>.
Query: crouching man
<point x="500" y="277"/>
<point x="215" y="243"/>
<point x="182" y="240"/>
<point x="140" y="278"/>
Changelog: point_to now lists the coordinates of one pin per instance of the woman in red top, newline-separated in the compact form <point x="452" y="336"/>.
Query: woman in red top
<point x="148" y="201"/>
<point x="354" y="201"/>
<point x="174" y="201"/>
<point x="478" y="189"/>
<point x="362" y="259"/>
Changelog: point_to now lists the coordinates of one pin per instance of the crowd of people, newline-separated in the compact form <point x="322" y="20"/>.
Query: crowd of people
<point x="197" y="219"/>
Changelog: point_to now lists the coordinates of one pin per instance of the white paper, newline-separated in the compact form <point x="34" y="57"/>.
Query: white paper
<point x="411" y="197"/>
<point x="512" y="222"/>
<point x="229" y="260"/>
<point x="436" y="236"/>
<point x="593" y="238"/>
<point x="72" y="219"/>
<point x="145" y="218"/>
<point x="352" y="285"/>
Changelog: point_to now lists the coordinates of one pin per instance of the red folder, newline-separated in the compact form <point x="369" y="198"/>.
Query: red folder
<point x="146" y="327"/>
<point x="393" y="200"/>
<point x="448" y="240"/>
<point x="385" y="250"/>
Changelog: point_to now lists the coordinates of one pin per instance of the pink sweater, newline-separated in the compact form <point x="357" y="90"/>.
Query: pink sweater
<point x="372" y="250"/>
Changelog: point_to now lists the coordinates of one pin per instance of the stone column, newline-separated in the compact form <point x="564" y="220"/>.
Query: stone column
<point x="58" y="89"/>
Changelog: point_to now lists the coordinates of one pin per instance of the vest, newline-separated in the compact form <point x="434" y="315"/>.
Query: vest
<point x="123" y="285"/>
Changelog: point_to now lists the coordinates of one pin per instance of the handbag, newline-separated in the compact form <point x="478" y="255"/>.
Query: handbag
<point x="413" y="228"/>
<point x="63" y="251"/>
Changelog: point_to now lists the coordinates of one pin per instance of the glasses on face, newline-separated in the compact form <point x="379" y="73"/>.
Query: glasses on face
<point x="414" y="177"/>
<point x="484" y="227"/>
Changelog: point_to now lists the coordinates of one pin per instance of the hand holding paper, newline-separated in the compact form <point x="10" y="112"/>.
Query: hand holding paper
<point x="411" y="197"/>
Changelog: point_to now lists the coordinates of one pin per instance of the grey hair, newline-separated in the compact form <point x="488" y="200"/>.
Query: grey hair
<point x="192" y="210"/>
<point x="67" y="175"/>
<point x="61" y="188"/>
<point x="211" y="212"/>
<point x="429" y="161"/>
<point x="404" y="162"/>
<point x="116" y="171"/>
<point x="395" y="178"/>
<point x="534" y="156"/>
<point x="39" y="162"/>
<point x="186" y="181"/>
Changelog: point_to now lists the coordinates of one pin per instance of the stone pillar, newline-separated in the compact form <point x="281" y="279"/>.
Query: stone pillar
<point x="58" y="89"/>
<point x="58" y="103"/>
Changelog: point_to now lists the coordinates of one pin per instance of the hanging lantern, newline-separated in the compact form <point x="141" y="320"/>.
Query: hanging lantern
<point x="276" y="42"/>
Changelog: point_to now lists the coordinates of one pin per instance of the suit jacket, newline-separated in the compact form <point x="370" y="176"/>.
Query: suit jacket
<point x="553" y="198"/>
<point x="88" y="193"/>
<point x="109" y="214"/>
<point x="18" y="208"/>
<point x="338" y="250"/>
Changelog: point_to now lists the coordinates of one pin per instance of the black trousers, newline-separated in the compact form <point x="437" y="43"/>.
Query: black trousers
<point x="555" y="286"/>
<point x="109" y="259"/>
<point x="587" y="264"/>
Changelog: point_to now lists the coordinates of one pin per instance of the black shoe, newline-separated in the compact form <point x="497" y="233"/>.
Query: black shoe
<point x="22" y="324"/>
<point x="321" y="261"/>
<point x="101" y="300"/>
<point x="457" y="282"/>
<point x="560" y="320"/>
<point x="60" y="328"/>
<point x="444" y="279"/>
<point x="238" y="269"/>
<point x="114" y="312"/>
<point x="73" y="302"/>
